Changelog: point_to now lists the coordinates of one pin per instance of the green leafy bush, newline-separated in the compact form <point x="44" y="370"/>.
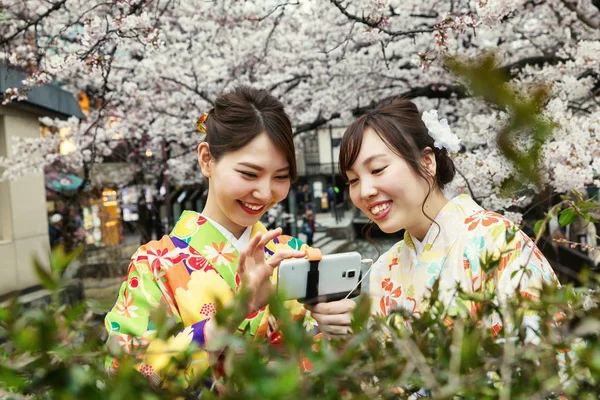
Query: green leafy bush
<point x="58" y="352"/>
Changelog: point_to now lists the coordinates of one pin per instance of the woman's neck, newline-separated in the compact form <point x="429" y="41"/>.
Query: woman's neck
<point x="214" y="212"/>
<point x="435" y="202"/>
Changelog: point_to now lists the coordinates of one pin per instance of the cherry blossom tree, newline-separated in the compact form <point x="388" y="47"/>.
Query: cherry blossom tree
<point x="151" y="67"/>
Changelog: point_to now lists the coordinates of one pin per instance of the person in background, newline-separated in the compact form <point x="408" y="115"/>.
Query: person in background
<point x="308" y="226"/>
<point x="55" y="230"/>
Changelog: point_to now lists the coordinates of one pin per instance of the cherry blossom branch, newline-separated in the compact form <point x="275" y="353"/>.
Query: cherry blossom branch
<point x="291" y="80"/>
<point x="320" y="121"/>
<point x="468" y="186"/>
<point x="196" y="90"/>
<point x="55" y="7"/>
<point x="289" y="3"/>
<point x="377" y="23"/>
<point x="581" y="15"/>
<point x="537" y="61"/>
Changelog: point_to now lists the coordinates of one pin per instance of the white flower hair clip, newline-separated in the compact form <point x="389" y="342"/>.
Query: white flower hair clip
<point x="440" y="132"/>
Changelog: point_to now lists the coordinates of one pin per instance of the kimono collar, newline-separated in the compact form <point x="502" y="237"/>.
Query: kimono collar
<point x="443" y="230"/>
<point x="241" y="243"/>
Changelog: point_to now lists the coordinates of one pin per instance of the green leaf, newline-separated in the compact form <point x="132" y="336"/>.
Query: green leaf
<point x="60" y="260"/>
<point x="539" y="225"/>
<point x="567" y="216"/>
<point x="44" y="276"/>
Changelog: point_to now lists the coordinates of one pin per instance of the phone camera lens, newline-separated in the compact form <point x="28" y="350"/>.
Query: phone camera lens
<point x="351" y="273"/>
<point x="344" y="274"/>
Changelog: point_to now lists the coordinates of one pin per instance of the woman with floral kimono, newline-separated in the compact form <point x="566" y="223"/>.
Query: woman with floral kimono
<point x="248" y="158"/>
<point x="396" y="163"/>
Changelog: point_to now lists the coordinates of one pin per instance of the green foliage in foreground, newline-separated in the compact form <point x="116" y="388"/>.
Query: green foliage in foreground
<point x="57" y="352"/>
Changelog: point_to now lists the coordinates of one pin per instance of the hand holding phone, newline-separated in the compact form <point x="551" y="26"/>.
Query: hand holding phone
<point x="333" y="277"/>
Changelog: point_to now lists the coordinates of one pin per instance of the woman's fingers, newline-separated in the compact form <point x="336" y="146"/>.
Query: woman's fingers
<point x="281" y="255"/>
<point x="270" y="235"/>
<point x="253" y="242"/>
<point x="335" y="330"/>
<point x="333" y="319"/>
<point x="333" y="307"/>
<point x="242" y="263"/>
<point x="259" y="256"/>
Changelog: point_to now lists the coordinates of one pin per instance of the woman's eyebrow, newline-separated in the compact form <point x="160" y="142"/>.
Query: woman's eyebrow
<point x="259" y="168"/>
<point x="371" y="158"/>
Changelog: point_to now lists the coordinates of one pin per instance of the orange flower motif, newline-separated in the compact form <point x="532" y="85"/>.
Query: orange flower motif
<point x="466" y="265"/>
<point x="125" y="307"/>
<point x="504" y="260"/>
<point x="486" y="218"/>
<point x="496" y="329"/>
<point x="393" y="263"/>
<point x="222" y="253"/>
<point x="387" y="285"/>
<point x="390" y="301"/>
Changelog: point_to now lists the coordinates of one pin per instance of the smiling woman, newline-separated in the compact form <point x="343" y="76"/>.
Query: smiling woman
<point x="248" y="158"/>
<point x="396" y="163"/>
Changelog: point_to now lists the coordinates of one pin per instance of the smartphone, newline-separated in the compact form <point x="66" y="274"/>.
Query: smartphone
<point x="339" y="276"/>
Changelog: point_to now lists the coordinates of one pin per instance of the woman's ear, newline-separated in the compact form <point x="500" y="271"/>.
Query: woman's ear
<point x="429" y="162"/>
<point x="204" y="158"/>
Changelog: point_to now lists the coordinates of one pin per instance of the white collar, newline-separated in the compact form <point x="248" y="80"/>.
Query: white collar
<point x="418" y="245"/>
<point x="241" y="243"/>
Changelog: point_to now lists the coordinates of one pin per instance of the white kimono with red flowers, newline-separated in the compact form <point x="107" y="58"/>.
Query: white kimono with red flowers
<point x="453" y="252"/>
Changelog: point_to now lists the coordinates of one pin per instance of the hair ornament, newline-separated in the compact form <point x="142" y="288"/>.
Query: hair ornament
<point x="440" y="131"/>
<point x="201" y="123"/>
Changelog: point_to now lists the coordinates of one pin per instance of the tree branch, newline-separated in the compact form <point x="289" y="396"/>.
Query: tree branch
<point x="55" y="7"/>
<point x="376" y="24"/>
<point x="580" y="14"/>
<point x="291" y="80"/>
<point x="315" y="124"/>
<point x="431" y="91"/>
<point x="537" y="61"/>
<point x="193" y="89"/>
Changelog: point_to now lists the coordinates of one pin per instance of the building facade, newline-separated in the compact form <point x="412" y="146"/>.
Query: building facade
<point x="23" y="216"/>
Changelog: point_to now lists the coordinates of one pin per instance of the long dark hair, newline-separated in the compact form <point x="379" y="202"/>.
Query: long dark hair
<point x="397" y="121"/>
<point x="244" y="113"/>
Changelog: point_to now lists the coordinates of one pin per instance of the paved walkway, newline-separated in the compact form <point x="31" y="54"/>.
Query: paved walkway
<point x="325" y="222"/>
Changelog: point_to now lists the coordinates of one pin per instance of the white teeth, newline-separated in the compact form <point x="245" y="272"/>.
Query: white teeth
<point x="252" y="207"/>
<point x="379" y="208"/>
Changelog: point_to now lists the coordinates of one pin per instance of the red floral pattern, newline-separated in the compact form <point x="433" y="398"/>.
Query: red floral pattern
<point x="389" y="301"/>
<point x="134" y="282"/>
<point x="208" y="309"/>
<point x="146" y="370"/>
<point x="197" y="262"/>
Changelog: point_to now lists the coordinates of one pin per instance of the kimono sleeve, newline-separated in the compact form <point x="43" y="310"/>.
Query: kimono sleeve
<point x="521" y="266"/>
<point x="131" y="330"/>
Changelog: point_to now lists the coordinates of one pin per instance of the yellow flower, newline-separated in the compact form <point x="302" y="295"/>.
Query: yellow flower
<point x="186" y="226"/>
<point x="199" y="300"/>
<point x="201" y="123"/>
<point x="160" y="351"/>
